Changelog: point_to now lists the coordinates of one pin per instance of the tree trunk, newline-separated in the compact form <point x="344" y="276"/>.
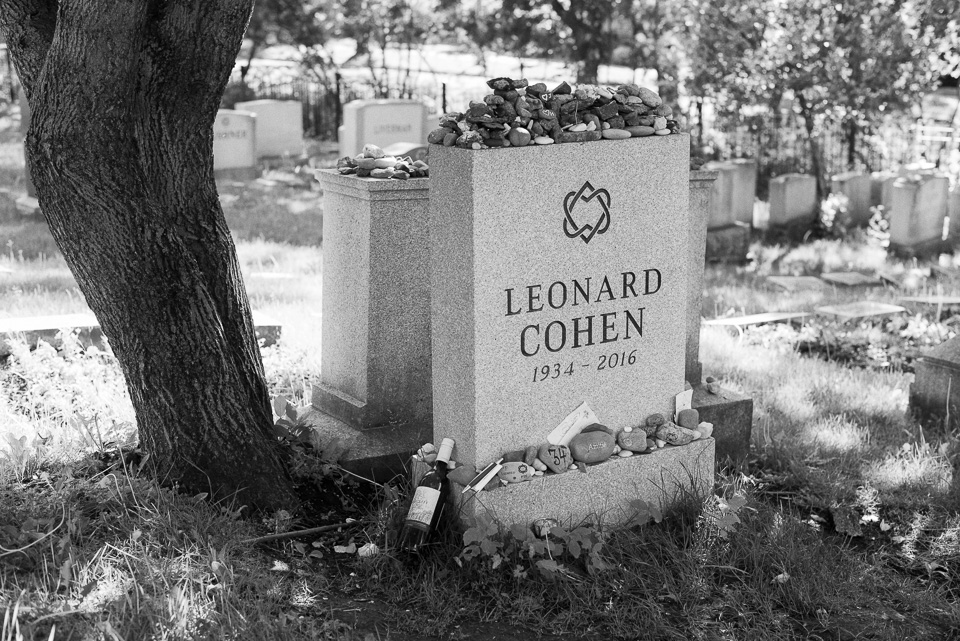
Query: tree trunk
<point x="816" y="156"/>
<point x="121" y="150"/>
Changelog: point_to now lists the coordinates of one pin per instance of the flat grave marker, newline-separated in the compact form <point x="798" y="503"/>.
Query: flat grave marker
<point x="756" y="319"/>
<point x="850" y="279"/>
<point x="859" y="309"/>
<point x="796" y="283"/>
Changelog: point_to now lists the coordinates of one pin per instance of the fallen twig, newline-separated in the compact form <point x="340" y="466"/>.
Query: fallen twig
<point x="296" y="533"/>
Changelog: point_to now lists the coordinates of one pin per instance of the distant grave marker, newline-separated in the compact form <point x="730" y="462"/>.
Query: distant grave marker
<point x="850" y="279"/>
<point x="860" y="309"/>
<point x="793" y="200"/>
<point x="279" y="126"/>
<point x="756" y="319"/>
<point x="382" y="123"/>
<point x="796" y="283"/>
<point x="856" y="187"/>
<point x="234" y="145"/>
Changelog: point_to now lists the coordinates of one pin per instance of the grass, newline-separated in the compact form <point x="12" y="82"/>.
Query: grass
<point x="843" y="524"/>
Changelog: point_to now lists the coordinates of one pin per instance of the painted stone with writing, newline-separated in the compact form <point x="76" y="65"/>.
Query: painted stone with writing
<point x="633" y="441"/>
<point x="674" y="434"/>
<point x="688" y="418"/>
<point x="515" y="472"/>
<point x="557" y="458"/>
<point x="592" y="447"/>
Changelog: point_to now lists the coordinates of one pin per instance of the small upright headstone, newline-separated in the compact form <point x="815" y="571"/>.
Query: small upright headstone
<point x="856" y="187"/>
<point x="234" y="145"/>
<point x="382" y="123"/>
<point x="279" y="126"/>
<point x="734" y="192"/>
<point x="918" y="206"/>
<point x="793" y="200"/>
<point x="953" y="211"/>
<point x="935" y="391"/>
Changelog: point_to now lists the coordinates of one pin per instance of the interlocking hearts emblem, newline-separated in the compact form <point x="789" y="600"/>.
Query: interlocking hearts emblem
<point x="580" y="198"/>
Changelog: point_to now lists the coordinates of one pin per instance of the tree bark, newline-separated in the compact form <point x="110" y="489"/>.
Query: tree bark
<point x="816" y="156"/>
<point x="124" y="96"/>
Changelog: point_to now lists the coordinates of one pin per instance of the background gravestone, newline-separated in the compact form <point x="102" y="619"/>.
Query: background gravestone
<point x="953" y="211"/>
<point x="793" y="200"/>
<point x="279" y="126"/>
<point x="918" y="206"/>
<point x="234" y="145"/>
<point x="382" y="123"/>
<point x="734" y="192"/>
<point x="856" y="187"/>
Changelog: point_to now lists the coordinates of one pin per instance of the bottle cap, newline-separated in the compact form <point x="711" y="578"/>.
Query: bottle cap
<point x="445" y="452"/>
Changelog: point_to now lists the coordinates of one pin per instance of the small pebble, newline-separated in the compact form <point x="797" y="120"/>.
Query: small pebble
<point x="660" y="123"/>
<point x="660" y="443"/>
<point x="696" y="435"/>
<point x="581" y="126"/>
<point x="688" y="418"/>
<point x="628" y="429"/>
<point x="705" y="429"/>
<point x="530" y="454"/>
<point x="624" y="453"/>
<point x="372" y="151"/>
<point x="385" y="162"/>
<point x="662" y="132"/>
<point x="542" y="527"/>
<point x="543" y="140"/>
<point x="616" y="134"/>
<point x="539" y="465"/>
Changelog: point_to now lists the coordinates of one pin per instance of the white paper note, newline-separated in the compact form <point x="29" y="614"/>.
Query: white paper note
<point x="569" y="427"/>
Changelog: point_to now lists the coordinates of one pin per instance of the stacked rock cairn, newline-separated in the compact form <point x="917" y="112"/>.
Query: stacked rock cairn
<point x="595" y="443"/>
<point x="372" y="162"/>
<point x="518" y="114"/>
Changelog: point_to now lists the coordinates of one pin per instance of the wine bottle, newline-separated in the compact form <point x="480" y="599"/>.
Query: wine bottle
<point x="429" y="500"/>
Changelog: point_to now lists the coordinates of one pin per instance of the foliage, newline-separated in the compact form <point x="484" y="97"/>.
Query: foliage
<point x="850" y="62"/>
<point x="835" y="215"/>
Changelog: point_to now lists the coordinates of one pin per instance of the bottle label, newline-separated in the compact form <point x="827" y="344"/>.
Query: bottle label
<point x="424" y="504"/>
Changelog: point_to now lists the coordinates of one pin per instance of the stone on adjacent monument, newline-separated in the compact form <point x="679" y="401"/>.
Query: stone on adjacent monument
<point x="383" y="123"/>
<point x="859" y="309"/>
<point x="856" y="187"/>
<point x="793" y="200"/>
<point x="376" y="367"/>
<point x="731" y="415"/>
<point x="279" y="126"/>
<point x="918" y="206"/>
<point x="728" y="244"/>
<point x="935" y="391"/>
<point x="234" y="145"/>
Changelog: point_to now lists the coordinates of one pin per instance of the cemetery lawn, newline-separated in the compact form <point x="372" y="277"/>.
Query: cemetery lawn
<point x="843" y="523"/>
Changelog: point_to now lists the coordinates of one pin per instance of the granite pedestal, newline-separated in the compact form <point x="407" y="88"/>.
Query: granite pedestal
<point x="375" y="369"/>
<point x="935" y="391"/>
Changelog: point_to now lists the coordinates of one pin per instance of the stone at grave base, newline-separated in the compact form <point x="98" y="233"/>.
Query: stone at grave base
<point x="377" y="454"/>
<point x="728" y="244"/>
<point x="935" y="391"/>
<point x="240" y="174"/>
<point x="28" y="206"/>
<point x="602" y="494"/>
<point x="732" y="418"/>
<point x="923" y="249"/>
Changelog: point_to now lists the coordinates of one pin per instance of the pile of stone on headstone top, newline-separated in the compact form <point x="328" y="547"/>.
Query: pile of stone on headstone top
<point x="372" y="162"/>
<point x="518" y="114"/>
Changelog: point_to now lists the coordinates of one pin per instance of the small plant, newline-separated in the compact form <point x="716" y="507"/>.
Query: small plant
<point x="835" y="215"/>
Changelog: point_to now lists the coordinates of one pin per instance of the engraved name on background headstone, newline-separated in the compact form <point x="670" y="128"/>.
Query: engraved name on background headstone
<point x="382" y="123"/>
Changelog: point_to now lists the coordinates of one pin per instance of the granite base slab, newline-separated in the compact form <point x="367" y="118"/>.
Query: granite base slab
<point x="728" y="244"/>
<point x="379" y="454"/>
<point x="601" y="495"/>
<point x="732" y="418"/>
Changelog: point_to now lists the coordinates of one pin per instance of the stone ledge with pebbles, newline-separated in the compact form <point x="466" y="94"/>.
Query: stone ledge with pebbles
<point x="518" y="114"/>
<point x="372" y="162"/>
<point x="594" y="444"/>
